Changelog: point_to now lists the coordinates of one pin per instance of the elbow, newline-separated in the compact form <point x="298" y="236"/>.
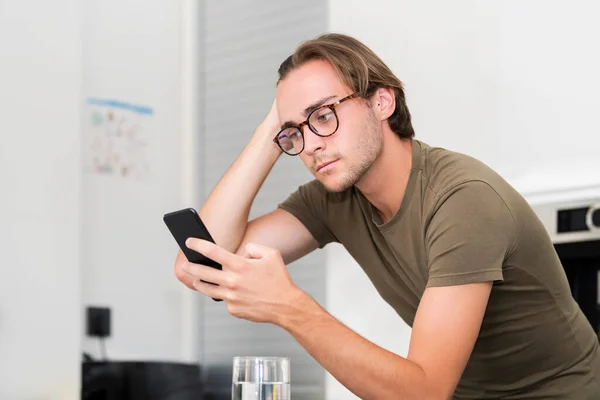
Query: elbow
<point x="426" y="392"/>
<point x="425" y="388"/>
<point x="436" y="391"/>
<point x="418" y="389"/>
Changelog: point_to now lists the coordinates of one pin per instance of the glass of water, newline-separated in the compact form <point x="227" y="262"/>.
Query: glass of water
<point x="261" y="378"/>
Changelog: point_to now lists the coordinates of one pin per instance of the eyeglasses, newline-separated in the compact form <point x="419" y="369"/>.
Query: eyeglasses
<point x="322" y="121"/>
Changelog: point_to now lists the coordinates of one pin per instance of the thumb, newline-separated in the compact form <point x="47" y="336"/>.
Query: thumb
<point x="254" y="250"/>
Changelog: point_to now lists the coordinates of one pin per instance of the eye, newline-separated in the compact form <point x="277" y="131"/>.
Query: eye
<point x="324" y="115"/>
<point x="295" y="135"/>
<point x="290" y="134"/>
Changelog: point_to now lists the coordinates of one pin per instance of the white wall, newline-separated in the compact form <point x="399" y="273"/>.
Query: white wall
<point x="513" y="83"/>
<point x="40" y="319"/>
<point x="549" y="87"/>
<point x="132" y="54"/>
<point x="503" y="81"/>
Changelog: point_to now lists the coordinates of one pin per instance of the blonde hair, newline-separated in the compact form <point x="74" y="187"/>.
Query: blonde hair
<point x="359" y="68"/>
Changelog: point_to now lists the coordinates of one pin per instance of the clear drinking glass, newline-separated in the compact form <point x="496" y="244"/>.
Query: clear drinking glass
<point x="261" y="378"/>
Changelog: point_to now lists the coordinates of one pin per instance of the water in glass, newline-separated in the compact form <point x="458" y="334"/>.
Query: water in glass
<point x="261" y="378"/>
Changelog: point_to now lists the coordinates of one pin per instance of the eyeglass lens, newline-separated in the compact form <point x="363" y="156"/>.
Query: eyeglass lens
<point x="322" y="122"/>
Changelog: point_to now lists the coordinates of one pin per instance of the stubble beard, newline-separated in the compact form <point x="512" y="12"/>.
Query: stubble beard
<point x="368" y="148"/>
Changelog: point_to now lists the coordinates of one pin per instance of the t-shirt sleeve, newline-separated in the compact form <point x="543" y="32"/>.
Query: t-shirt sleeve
<point x="309" y="204"/>
<point x="469" y="236"/>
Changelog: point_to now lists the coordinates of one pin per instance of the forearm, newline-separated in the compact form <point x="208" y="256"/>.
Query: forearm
<point x="366" y="369"/>
<point x="227" y="208"/>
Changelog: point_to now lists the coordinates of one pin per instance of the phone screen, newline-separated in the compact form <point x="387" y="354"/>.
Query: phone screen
<point x="185" y="224"/>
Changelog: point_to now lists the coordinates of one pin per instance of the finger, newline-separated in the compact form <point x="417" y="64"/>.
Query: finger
<point x="184" y="277"/>
<point x="254" y="250"/>
<point x="245" y="253"/>
<point x="210" y="290"/>
<point x="204" y="272"/>
<point x="212" y="251"/>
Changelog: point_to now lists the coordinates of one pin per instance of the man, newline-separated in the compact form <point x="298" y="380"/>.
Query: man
<point x="447" y="242"/>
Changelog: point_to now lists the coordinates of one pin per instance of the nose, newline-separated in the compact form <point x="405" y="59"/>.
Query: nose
<point x="313" y="142"/>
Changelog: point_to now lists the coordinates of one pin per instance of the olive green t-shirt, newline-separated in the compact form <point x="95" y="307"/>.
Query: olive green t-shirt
<point x="460" y="222"/>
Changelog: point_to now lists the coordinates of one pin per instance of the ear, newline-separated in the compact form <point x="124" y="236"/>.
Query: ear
<point x="384" y="102"/>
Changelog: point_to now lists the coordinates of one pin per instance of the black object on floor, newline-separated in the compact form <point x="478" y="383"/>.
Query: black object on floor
<point x="131" y="380"/>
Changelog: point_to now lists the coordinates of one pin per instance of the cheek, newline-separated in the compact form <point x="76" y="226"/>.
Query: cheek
<point x="349" y="131"/>
<point x="345" y="141"/>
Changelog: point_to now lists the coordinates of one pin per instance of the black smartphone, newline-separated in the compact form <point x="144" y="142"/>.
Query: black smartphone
<point x="185" y="224"/>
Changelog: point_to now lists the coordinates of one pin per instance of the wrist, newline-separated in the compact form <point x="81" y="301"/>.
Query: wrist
<point x="267" y="129"/>
<point x="263" y="138"/>
<point x="299" y="311"/>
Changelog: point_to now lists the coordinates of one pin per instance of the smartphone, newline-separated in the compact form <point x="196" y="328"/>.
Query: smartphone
<point x="185" y="224"/>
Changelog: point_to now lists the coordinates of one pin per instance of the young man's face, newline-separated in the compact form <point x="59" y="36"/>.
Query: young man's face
<point x="340" y="160"/>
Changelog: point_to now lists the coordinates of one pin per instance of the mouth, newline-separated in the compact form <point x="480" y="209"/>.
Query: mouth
<point x="325" y="166"/>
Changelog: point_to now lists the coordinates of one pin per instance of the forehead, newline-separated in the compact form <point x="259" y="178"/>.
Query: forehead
<point x="305" y="85"/>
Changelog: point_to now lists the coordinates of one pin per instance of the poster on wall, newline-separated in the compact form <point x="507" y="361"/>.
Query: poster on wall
<point x="116" y="139"/>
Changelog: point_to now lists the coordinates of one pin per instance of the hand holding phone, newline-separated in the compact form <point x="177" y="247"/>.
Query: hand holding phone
<point x="184" y="224"/>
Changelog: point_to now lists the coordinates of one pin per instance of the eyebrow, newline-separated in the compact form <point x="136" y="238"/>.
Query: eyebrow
<point x="308" y="110"/>
<point x="317" y="104"/>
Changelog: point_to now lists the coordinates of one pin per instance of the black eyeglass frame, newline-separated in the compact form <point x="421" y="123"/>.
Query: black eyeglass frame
<point x="300" y="126"/>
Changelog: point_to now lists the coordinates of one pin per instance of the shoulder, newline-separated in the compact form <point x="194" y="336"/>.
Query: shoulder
<point x="469" y="233"/>
<point x="444" y="169"/>
<point x="445" y="172"/>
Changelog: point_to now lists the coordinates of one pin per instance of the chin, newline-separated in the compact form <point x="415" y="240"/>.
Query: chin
<point x="336" y="184"/>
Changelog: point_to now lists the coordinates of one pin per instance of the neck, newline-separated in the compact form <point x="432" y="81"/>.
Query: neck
<point x="385" y="182"/>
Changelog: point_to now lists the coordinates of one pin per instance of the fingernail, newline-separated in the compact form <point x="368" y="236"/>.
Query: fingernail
<point x="184" y="266"/>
